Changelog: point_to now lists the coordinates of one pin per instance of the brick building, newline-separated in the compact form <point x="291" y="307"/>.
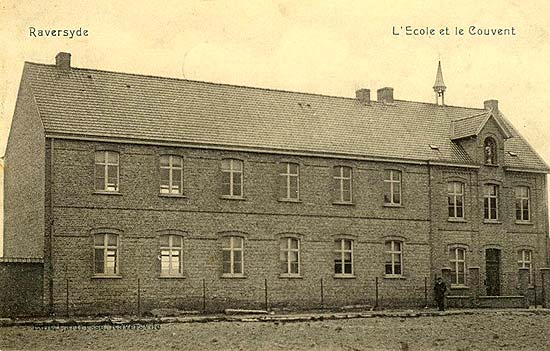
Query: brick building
<point x="144" y="192"/>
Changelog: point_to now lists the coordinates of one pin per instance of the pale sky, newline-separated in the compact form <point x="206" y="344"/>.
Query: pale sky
<point x="327" y="47"/>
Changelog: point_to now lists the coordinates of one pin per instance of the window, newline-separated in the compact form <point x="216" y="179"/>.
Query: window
<point x="458" y="265"/>
<point x="171" y="174"/>
<point x="342" y="184"/>
<point x="232" y="178"/>
<point x="490" y="151"/>
<point x="525" y="261"/>
<point x="106" y="171"/>
<point x="490" y="201"/>
<point x="394" y="258"/>
<point x="232" y="249"/>
<point x="171" y="256"/>
<point x="455" y="199"/>
<point x="289" y="181"/>
<point x="105" y="254"/>
<point x="522" y="203"/>
<point x="392" y="187"/>
<point x="343" y="257"/>
<point x="290" y="256"/>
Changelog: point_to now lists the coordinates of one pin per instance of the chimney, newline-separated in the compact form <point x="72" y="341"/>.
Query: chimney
<point x="385" y="95"/>
<point x="63" y="60"/>
<point x="363" y="95"/>
<point x="491" y="105"/>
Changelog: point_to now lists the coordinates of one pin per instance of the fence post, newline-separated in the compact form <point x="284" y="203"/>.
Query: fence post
<point x="67" y="298"/>
<point x="203" y="296"/>
<point x="376" y="293"/>
<point x="139" y="297"/>
<point x="322" y="295"/>
<point x="266" y="304"/>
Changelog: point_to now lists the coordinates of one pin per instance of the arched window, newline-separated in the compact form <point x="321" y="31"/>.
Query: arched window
<point x="490" y="151"/>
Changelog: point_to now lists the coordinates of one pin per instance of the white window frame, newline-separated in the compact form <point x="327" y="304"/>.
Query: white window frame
<point x="454" y="195"/>
<point x="287" y="175"/>
<point x="394" y="253"/>
<point x="524" y="262"/>
<point x="525" y="203"/>
<point x="232" y="170"/>
<point x="287" y="250"/>
<point x="106" y="248"/>
<point x="340" y="179"/>
<point x="340" y="254"/>
<point x="487" y="196"/>
<point x="232" y="248"/>
<point x="456" y="262"/>
<point x="105" y="166"/>
<point x="171" y="190"/>
<point x="391" y="181"/>
<point x="176" y="271"/>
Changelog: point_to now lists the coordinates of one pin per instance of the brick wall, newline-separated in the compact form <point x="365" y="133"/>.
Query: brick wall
<point x="21" y="282"/>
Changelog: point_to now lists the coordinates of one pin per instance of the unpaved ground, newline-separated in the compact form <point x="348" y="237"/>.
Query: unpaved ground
<point x="493" y="331"/>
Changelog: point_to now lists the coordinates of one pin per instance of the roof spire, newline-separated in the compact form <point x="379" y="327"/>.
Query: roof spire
<point x="439" y="86"/>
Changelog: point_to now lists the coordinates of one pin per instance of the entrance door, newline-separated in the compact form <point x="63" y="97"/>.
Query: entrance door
<point x="492" y="271"/>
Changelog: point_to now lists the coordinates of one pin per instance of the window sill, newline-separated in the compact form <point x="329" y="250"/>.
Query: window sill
<point x="345" y="203"/>
<point x="233" y="276"/>
<point x="459" y="286"/>
<point x="344" y="276"/>
<point x="106" y="276"/>
<point x="491" y="165"/>
<point x="290" y="200"/>
<point x="524" y="222"/>
<point x="103" y="192"/>
<point x="171" y="277"/>
<point x="491" y="221"/>
<point x="392" y="205"/>
<point x="290" y="276"/>
<point x="181" y="196"/>
<point x="230" y="197"/>
<point x="394" y="277"/>
<point x="456" y="220"/>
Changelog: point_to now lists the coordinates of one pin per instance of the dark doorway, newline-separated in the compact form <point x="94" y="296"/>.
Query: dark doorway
<point x="492" y="271"/>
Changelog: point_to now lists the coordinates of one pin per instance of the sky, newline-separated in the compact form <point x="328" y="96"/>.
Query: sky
<point x="326" y="47"/>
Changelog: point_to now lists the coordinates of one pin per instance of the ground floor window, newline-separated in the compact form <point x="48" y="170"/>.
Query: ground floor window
<point x="290" y="256"/>
<point x="106" y="255"/>
<point x="525" y="261"/>
<point x="457" y="257"/>
<point x="394" y="258"/>
<point x="171" y="252"/>
<point x="343" y="257"/>
<point x="232" y="249"/>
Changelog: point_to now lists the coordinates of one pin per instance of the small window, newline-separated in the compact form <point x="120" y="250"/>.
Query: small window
<point x="106" y="255"/>
<point x="490" y="201"/>
<point x="394" y="258"/>
<point x="525" y="259"/>
<point x="392" y="187"/>
<point x="290" y="256"/>
<point x="343" y="184"/>
<point x="522" y="203"/>
<point x="232" y="250"/>
<point x="232" y="178"/>
<point x="171" y="174"/>
<point x="343" y="257"/>
<point x="455" y="200"/>
<point x="106" y="171"/>
<point x="171" y="256"/>
<point x="490" y="151"/>
<point x="457" y="258"/>
<point x="289" y="181"/>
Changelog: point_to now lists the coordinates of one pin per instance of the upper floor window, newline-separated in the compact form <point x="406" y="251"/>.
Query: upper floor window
<point x="289" y="181"/>
<point x="490" y="151"/>
<point x="455" y="199"/>
<point x="343" y="257"/>
<point x="171" y="256"/>
<point x="232" y="177"/>
<point x="490" y="201"/>
<point x="106" y="171"/>
<point x="343" y="183"/>
<point x="171" y="174"/>
<point x="525" y="261"/>
<point x="457" y="258"/>
<point x="232" y="250"/>
<point x="392" y="187"/>
<point x="290" y="256"/>
<point x="105" y="254"/>
<point x="393" y="258"/>
<point x="522" y="203"/>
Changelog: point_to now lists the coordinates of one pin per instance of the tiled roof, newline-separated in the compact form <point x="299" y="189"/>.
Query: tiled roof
<point x="86" y="102"/>
<point x="472" y="126"/>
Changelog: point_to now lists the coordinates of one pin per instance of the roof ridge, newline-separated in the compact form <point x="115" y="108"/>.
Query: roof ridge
<point x="476" y="115"/>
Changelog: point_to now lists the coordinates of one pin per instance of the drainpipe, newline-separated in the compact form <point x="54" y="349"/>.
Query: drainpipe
<point x="431" y="220"/>
<point x="51" y="222"/>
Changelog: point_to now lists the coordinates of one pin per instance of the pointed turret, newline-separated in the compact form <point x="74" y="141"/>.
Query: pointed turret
<point x="439" y="86"/>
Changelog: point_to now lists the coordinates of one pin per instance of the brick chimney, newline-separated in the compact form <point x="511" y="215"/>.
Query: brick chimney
<point x="363" y="95"/>
<point x="491" y="105"/>
<point x="63" y="60"/>
<point x="385" y="95"/>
